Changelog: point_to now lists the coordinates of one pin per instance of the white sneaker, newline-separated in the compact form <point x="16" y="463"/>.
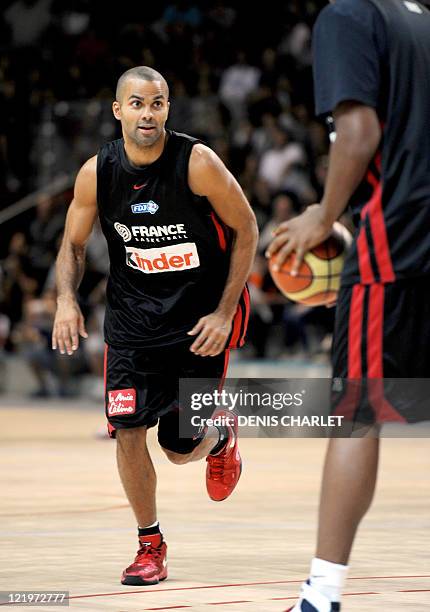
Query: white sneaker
<point x="312" y="600"/>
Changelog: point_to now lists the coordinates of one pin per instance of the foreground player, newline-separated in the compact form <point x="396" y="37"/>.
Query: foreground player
<point x="181" y="238"/>
<point x="372" y="70"/>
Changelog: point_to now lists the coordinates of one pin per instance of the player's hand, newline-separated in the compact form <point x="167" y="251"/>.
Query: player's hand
<point x="300" y="235"/>
<point x="213" y="331"/>
<point x="68" y="326"/>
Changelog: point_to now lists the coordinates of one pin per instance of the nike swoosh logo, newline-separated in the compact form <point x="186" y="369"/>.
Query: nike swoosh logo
<point x="136" y="187"/>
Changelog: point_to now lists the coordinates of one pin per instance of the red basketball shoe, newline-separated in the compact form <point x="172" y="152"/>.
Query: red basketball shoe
<point x="224" y="469"/>
<point x="150" y="564"/>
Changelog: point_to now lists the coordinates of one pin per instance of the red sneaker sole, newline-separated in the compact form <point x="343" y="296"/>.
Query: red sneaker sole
<point x="137" y="581"/>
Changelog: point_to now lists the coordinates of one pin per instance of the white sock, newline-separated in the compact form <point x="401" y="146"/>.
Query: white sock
<point x="328" y="578"/>
<point x="214" y="433"/>
<point x="155" y="524"/>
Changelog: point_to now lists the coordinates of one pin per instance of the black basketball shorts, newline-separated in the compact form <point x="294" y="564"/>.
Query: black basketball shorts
<point x="142" y="388"/>
<point x="381" y="352"/>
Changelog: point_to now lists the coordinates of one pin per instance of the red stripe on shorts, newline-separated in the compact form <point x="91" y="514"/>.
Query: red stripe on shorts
<point x="375" y="329"/>
<point x="384" y="411"/>
<point x="105" y="368"/>
<point x="224" y="374"/>
<point x="379" y="232"/>
<point x="237" y="325"/>
<point x="246" y="301"/>
<point x="110" y="427"/>
<point x="364" y="264"/>
<point x="355" y="332"/>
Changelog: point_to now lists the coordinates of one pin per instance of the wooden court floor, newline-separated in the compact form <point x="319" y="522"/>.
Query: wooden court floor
<point x="65" y="522"/>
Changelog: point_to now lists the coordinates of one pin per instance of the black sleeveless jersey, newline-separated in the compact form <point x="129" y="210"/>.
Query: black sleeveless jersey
<point x="169" y="252"/>
<point x="378" y="52"/>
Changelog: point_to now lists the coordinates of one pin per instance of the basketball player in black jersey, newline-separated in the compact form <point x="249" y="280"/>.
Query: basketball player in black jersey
<point x="181" y="238"/>
<point x="372" y="73"/>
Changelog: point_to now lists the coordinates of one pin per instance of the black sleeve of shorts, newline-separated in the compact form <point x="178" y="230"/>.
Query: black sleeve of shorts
<point x="347" y="55"/>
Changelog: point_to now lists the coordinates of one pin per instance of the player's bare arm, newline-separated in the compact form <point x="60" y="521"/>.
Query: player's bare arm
<point x="69" y="322"/>
<point x="209" y="177"/>
<point x="358" y="137"/>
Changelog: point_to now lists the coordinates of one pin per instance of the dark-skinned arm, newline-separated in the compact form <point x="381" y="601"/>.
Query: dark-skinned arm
<point x="209" y="177"/>
<point x="358" y="136"/>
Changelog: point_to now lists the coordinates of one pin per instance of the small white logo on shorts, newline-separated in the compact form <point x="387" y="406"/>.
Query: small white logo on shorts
<point x="337" y="385"/>
<point x="414" y="8"/>
<point x="123" y="231"/>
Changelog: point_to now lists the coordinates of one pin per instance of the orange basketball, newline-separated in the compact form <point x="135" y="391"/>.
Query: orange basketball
<point x="318" y="280"/>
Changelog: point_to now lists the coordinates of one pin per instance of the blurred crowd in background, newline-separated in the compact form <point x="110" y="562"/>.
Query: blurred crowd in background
<point x="240" y="79"/>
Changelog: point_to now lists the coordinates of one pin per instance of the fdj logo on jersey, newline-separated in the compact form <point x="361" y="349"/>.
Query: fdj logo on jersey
<point x="145" y="207"/>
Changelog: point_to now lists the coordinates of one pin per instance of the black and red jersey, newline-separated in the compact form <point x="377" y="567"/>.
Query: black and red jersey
<point x="169" y="252"/>
<point x="377" y="52"/>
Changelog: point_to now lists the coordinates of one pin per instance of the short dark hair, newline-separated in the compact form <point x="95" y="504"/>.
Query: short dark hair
<point x="145" y="73"/>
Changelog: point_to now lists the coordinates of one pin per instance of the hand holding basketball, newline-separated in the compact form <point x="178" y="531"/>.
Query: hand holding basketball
<point x="303" y="271"/>
<point x="299" y="235"/>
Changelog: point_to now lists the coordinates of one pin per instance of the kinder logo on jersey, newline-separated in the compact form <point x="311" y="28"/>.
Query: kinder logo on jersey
<point x="123" y="231"/>
<point x="121" y="402"/>
<point x="145" y="207"/>
<point x="163" y="259"/>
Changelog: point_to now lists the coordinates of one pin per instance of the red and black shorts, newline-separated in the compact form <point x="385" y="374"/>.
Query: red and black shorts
<point x="381" y="352"/>
<point x="142" y="388"/>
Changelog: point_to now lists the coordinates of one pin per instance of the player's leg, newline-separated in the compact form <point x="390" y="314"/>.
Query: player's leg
<point x="212" y="440"/>
<point x="132" y="404"/>
<point x="385" y="354"/>
<point x="350" y="467"/>
<point x="218" y="443"/>
<point x="139" y="481"/>
<point x="372" y="353"/>
<point x="348" y="485"/>
<point x="137" y="473"/>
<point x="198" y="443"/>
<point x="201" y="451"/>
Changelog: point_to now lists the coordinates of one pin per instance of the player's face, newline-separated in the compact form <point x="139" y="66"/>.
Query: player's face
<point x="143" y="111"/>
